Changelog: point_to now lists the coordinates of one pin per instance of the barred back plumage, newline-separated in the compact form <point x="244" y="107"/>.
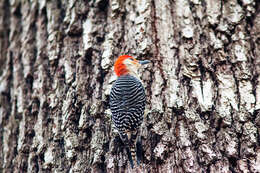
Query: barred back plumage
<point x="127" y="103"/>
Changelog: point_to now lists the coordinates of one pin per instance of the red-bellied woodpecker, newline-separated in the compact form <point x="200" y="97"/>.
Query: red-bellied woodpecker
<point x="127" y="103"/>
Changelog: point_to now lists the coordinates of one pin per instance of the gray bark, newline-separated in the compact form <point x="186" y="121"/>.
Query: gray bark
<point x="203" y="86"/>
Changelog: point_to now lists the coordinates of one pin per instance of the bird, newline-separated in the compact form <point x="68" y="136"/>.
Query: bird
<point x="127" y="103"/>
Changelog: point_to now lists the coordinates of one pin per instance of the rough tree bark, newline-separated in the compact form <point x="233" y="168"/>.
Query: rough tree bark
<point x="203" y="86"/>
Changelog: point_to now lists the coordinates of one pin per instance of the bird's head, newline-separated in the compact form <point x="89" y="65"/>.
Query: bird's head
<point x="126" y="64"/>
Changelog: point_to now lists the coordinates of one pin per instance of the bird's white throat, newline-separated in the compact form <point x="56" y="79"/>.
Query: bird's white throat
<point x="132" y="68"/>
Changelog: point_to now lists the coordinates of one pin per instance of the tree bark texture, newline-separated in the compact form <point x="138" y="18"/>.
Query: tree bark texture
<point x="203" y="86"/>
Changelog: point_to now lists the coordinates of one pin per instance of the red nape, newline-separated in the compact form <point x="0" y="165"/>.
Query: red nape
<point x="120" y="67"/>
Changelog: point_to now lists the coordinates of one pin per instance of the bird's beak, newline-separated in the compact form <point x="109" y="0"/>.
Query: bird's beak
<point x="144" y="62"/>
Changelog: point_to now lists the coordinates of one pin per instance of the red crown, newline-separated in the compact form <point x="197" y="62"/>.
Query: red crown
<point x="119" y="66"/>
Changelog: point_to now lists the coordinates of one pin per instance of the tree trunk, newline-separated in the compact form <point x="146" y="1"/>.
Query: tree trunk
<point x="203" y="86"/>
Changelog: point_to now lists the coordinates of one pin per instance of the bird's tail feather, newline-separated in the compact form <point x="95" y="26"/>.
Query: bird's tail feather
<point x="133" y="146"/>
<point x="139" y="150"/>
<point x="127" y="144"/>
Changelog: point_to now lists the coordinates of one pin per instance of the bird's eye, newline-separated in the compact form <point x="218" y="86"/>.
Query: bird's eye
<point x="132" y="59"/>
